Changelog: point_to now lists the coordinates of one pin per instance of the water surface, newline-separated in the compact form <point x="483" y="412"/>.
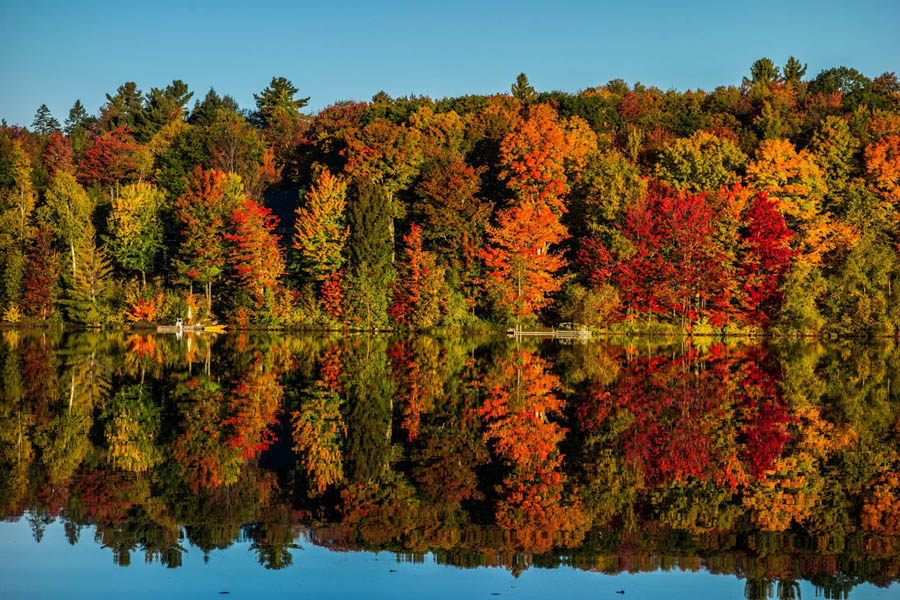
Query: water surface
<point x="361" y="466"/>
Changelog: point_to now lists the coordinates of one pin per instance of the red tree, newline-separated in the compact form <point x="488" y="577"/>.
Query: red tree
<point x="41" y="276"/>
<point x="111" y="158"/>
<point x="766" y="259"/>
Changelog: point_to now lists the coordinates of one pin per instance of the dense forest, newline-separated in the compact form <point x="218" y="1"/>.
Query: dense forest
<point x="772" y="206"/>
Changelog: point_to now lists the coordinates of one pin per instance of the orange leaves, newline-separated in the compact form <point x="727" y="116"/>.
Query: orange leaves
<point x="521" y="267"/>
<point x="882" y="160"/>
<point x="145" y="310"/>
<point x="519" y="404"/>
<point x="881" y="508"/>
<point x="535" y="155"/>
<point x="792" y="177"/>
<point x="798" y="183"/>
<point x="255" y="255"/>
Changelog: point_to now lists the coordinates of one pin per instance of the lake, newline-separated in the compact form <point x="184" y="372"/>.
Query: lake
<point x="335" y="466"/>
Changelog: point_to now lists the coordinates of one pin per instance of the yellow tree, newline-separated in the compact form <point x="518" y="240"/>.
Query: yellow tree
<point x="797" y="182"/>
<point x="68" y="209"/>
<point x="321" y="230"/>
<point x="136" y="228"/>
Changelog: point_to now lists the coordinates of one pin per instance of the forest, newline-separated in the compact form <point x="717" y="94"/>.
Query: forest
<point x="769" y="207"/>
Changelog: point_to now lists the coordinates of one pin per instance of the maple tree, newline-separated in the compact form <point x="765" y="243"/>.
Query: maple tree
<point x="58" y="155"/>
<point x="111" y="157"/>
<point x="203" y="211"/>
<point x="41" y="276"/>
<point x="521" y="266"/>
<point x="420" y="291"/>
<point x="255" y="254"/>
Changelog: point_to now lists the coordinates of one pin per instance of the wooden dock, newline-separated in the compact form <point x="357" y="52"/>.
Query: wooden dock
<point x="190" y="329"/>
<point x="564" y="332"/>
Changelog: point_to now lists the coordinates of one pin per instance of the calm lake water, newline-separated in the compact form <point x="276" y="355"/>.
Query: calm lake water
<point x="393" y="467"/>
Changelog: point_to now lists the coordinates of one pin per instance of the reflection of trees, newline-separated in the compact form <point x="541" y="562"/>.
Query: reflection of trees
<point x="776" y="465"/>
<point x="520" y="405"/>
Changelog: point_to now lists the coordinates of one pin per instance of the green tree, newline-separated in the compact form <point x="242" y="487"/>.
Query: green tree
<point x="278" y="96"/>
<point x="206" y="112"/>
<point x="87" y="302"/>
<point x="700" y="163"/>
<point x="124" y="109"/>
<point x="522" y="90"/>
<point x="794" y="71"/>
<point x="78" y="119"/>
<point x="163" y="106"/>
<point x="44" y="123"/>
<point x="369" y="251"/>
<point x="763" y="72"/>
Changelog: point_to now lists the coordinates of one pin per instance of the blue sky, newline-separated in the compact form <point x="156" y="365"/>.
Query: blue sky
<point x="54" y="52"/>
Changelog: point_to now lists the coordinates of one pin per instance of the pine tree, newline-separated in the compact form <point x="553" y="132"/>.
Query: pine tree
<point x="163" y="106"/>
<point x="123" y="109"/>
<point x="44" y="123"/>
<point x="87" y="302"/>
<point x="78" y="119"/>
<point x="522" y="90"/>
<point x="206" y="112"/>
<point x="279" y="95"/>
<point x="369" y="253"/>
<point x="793" y="71"/>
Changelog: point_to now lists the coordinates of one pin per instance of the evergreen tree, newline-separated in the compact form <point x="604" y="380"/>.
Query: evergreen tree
<point x="794" y="71"/>
<point x="764" y="72"/>
<point x="123" y="109"/>
<point x="163" y="106"/>
<point x="206" y="112"/>
<point x="522" y="90"/>
<point x="369" y="254"/>
<point x="44" y="123"/>
<point x="279" y="95"/>
<point x="87" y="301"/>
<point x="78" y="119"/>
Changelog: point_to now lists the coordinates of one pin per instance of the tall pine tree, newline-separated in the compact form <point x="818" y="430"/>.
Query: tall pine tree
<point x="369" y="252"/>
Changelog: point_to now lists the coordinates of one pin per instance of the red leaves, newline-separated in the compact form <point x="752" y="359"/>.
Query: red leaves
<point x="111" y="158"/>
<point x="41" y="276"/>
<point x="419" y="294"/>
<point x="255" y="255"/>
<point x="676" y="263"/>
<point x="767" y="257"/>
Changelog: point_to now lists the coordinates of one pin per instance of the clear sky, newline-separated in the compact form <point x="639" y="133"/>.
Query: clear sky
<point x="56" y="51"/>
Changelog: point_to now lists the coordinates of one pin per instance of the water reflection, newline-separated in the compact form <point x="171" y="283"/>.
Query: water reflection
<point x="772" y="463"/>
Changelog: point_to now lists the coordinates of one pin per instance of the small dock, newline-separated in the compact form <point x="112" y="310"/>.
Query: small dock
<point x="179" y="327"/>
<point x="564" y="331"/>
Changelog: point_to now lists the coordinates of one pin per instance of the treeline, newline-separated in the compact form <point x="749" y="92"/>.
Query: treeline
<point x="769" y="206"/>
